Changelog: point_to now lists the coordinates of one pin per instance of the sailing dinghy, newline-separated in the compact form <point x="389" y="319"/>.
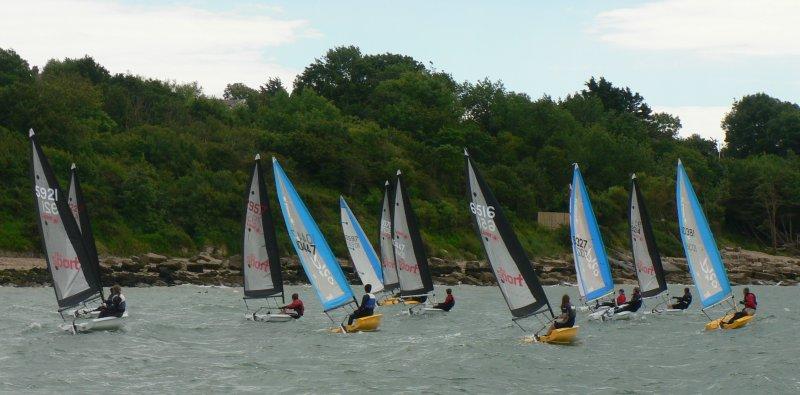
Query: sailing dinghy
<point x="391" y="283"/>
<point x="416" y="283"/>
<point x="317" y="259"/>
<point x="365" y="260"/>
<point x="261" y="266"/>
<point x="591" y="263"/>
<point x="73" y="266"/>
<point x="646" y="259"/>
<point x="703" y="257"/>
<point x="511" y="267"/>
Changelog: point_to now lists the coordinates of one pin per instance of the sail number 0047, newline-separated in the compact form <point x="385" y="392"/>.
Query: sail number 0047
<point x="484" y="215"/>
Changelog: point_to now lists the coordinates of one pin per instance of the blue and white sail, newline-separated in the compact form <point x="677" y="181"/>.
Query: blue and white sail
<point x="315" y="255"/>
<point x="365" y="260"/>
<point x="702" y="255"/>
<point x="591" y="263"/>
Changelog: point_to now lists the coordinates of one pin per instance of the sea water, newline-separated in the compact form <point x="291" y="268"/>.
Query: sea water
<point x="191" y="339"/>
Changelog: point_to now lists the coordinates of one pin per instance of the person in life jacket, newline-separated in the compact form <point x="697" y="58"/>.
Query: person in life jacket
<point x="114" y="306"/>
<point x="448" y="303"/>
<point x="750" y="305"/>
<point x="367" y="306"/>
<point x="296" y="305"/>
<point x="633" y="305"/>
<point x="567" y="317"/>
<point x="618" y="302"/>
<point x="684" y="301"/>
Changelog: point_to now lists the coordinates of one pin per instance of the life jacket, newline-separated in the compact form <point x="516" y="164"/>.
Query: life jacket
<point x="750" y="301"/>
<point x="370" y="302"/>
<point x="621" y="299"/>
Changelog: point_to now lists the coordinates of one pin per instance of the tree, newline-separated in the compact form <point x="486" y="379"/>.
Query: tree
<point x="760" y="124"/>
<point x="621" y="100"/>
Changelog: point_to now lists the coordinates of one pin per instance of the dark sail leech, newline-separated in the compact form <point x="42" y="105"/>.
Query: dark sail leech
<point x="646" y="259"/>
<point x="412" y="262"/>
<point x="77" y="205"/>
<point x="516" y="278"/>
<point x="261" y="267"/>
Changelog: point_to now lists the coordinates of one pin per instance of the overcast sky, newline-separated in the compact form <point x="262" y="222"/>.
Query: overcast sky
<point x="690" y="58"/>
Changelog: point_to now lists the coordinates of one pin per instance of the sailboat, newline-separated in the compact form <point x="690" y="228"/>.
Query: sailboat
<point x="261" y="266"/>
<point x="391" y="282"/>
<point x="703" y="257"/>
<point x="365" y="260"/>
<point x="416" y="283"/>
<point x="73" y="266"/>
<point x="316" y="257"/>
<point x="591" y="263"/>
<point x="514" y="272"/>
<point x="646" y="259"/>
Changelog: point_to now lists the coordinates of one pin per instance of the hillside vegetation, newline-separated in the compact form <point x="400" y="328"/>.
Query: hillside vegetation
<point x="164" y="166"/>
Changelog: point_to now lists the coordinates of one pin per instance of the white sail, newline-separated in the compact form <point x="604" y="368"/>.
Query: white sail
<point x="390" y="280"/>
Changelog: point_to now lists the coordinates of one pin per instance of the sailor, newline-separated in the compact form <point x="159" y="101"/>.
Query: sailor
<point x="750" y="305"/>
<point x="296" y="305"/>
<point x="618" y="302"/>
<point x="567" y="317"/>
<point x="367" y="306"/>
<point x="114" y="306"/>
<point x="634" y="304"/>
<point x="684" y="301"/>
<point x="448" y="303"/>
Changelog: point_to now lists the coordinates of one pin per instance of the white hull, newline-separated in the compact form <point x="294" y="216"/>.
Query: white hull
<point x="95" y="324"/>
<point x="278" y="317"/>
<point x="608" y="315"/>
<point x="668" y="311"/>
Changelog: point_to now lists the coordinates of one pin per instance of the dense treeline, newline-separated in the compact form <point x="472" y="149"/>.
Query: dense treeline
<point x="164" y="166"/>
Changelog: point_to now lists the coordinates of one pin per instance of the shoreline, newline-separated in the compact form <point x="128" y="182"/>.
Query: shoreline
<point x="210" y="268"/>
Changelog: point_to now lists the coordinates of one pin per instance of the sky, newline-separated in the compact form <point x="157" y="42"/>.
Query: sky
<point x="690" y="58"/>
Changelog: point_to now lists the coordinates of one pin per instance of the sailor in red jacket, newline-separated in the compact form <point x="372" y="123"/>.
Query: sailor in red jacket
<point x="621" y="299"/>
<point x="750" y="305"/>
<point x="296" y="305"/>
<point x="448" y="303"/>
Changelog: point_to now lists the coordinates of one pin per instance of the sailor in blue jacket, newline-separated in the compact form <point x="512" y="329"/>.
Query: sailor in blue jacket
<point x="367" y="306"/>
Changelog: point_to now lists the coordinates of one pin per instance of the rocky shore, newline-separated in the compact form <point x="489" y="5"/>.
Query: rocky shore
<point x="213" y="268"/>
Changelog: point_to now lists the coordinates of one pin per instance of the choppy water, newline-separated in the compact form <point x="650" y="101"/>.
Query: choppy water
<point x="193" y="339"/>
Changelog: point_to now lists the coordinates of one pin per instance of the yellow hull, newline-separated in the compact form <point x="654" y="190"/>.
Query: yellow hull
<point x="389" y="301"/>
<point x="410" y="302"/>
<point x="363" y="324"/>
<point x="734" y="325"/>
<point x="559" y="336"/>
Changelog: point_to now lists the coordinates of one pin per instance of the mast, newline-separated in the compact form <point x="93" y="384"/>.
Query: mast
<point x="646" y="259"/>
<point x="702" y="255"/>
<point x="77" y="205"/>
<point x="261" y="266"/>
<point x="316" y="256"/>
<point x="511" y="267"/>
<point x="390" y="276"/>
<point x="591" y="263"/>
<point x="412" y="262"/>
<point x="365" y="260"/>
<point x="67" y="259"/>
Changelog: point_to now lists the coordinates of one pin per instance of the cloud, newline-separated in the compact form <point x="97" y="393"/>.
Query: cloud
<point x="703" y="120"/>
<point x="708" y="27"/>
<point x="179" y="43"/>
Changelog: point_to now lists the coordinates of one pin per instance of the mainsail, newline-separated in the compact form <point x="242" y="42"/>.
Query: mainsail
<point x="412" y="263"/>
<point x="261" y="266"/>
<point x="319" y="263"/>
<point x="646" y="258"/>
<point x="390" y="280"/>
<point x="363" y="255"/>
<point x="591" y="263"/>
<point x="70" y="264"/>
<point x="77" y="205"/>
<point x="705" y="262"/>
<point x="518" y="282"/>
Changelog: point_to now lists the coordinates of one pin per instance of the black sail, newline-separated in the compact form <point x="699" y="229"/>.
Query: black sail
<point x="412" y="262"/>
<point x="261" y="266"/>
<point x="77" y="205"/>
<point x="516" y="278"/>
<point x="646" y="258"/>
<point x="68" y="261"/>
